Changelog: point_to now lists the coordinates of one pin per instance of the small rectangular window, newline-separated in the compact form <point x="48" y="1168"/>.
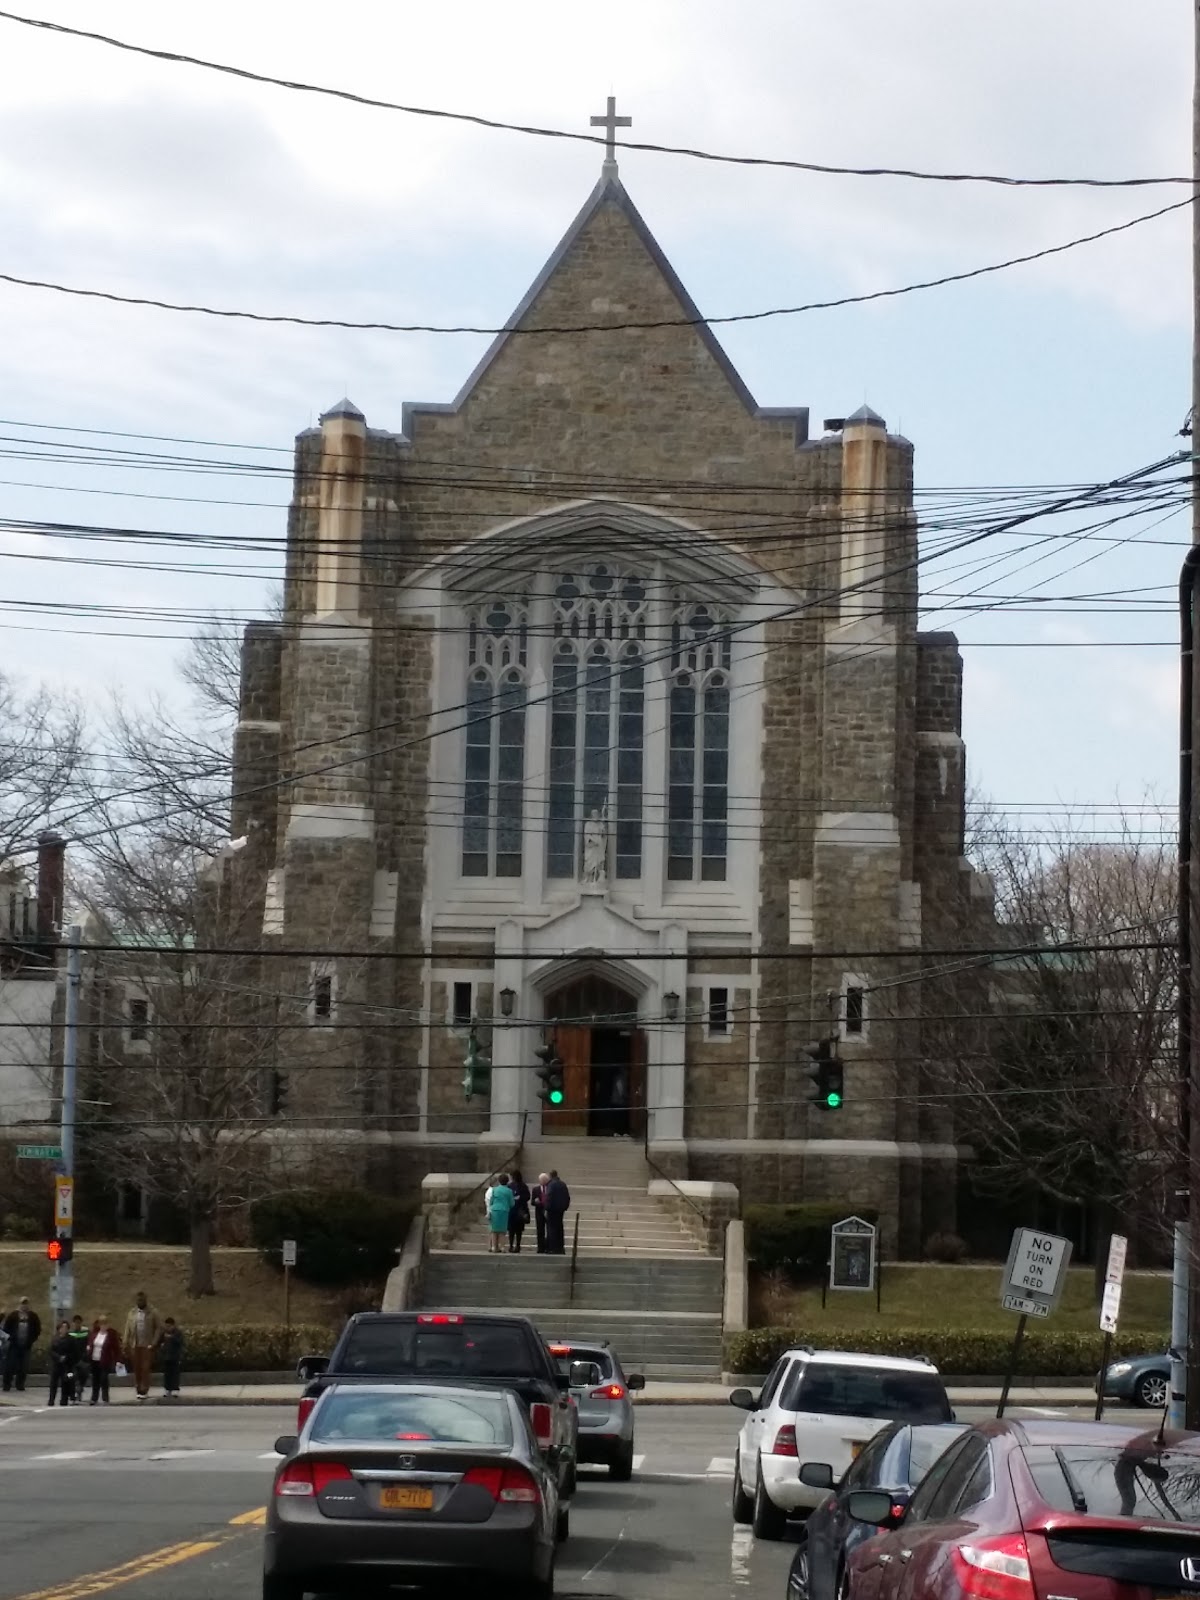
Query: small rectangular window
<point x="323" y="997"/>
<point x="463" y="1008"/>
<point x="718" y="1011"/>
<point x="139" y="1020"/>
<point x="856" y="1010"/>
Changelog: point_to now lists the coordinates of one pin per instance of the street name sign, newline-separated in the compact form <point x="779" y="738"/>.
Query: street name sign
<point x="39" y="1152"/>
<point x="1035" y="1272"/>
<point x="289" y="1252"/>
<point x="1114" y="1278"/>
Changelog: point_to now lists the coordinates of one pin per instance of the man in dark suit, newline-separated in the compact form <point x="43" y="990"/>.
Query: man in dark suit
<point x="558" y="1201"/>
<point x="538" y="1201"/>
<point x="24" y="1328"/>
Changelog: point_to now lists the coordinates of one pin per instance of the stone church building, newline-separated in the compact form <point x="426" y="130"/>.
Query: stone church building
<point x="599" y="712"/>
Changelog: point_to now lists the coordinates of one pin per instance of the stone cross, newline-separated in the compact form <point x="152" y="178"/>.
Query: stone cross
<point x="610" y="122"/>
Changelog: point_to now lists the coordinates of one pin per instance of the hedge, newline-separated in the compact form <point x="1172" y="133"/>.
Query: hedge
<point x="249" y="1347"/>
<point x="955" y="1352"/>
<point x="343" y="1236"/>
<point x="795" y="1238"/>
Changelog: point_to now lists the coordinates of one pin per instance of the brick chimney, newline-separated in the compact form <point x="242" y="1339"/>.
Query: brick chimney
<point x="51" y="852"/>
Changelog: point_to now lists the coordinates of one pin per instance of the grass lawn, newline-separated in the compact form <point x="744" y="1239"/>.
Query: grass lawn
<point x="106" y="1280"/>
<point x="927" y="1296"/>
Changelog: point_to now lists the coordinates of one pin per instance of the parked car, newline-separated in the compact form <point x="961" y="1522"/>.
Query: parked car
<point x="402" y="1483"/>
<point x="821" y="1405"/>
<point x="896" y="1460"/>
<point x="1145" y="1380"/>
<point x="603" y="1400"/>
<point x="1021" y="1510"/>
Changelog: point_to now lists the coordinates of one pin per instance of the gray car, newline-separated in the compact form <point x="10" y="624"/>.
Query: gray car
<point x="399" y="1483"/>
<point x="1145" y="1380"/>
<point x="604" y="1404"/>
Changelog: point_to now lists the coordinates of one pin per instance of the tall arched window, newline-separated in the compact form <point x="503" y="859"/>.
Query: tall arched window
<point x="698" y="780"/>
<point x="494" y="775"/>
<point x="597" y="716"/>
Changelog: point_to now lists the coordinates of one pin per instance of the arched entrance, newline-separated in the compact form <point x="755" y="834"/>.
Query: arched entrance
<point x="603" y="1051"/>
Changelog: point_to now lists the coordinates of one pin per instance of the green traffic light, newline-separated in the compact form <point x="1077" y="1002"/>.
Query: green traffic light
<point x="556" y="1097"/>
<point x="833" y="1100"/>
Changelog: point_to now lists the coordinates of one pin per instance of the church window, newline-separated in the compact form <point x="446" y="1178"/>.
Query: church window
<point x="494" y="777"/>
<point x="698" y="778"/>
<point x="139" y="1020"/>
<point x="718" y="1012"/>
<point x="854" y="1008"/>
<point x="597" y="717"/>
<point x="322" y="1006"/>
<point x="462" y="1006"/>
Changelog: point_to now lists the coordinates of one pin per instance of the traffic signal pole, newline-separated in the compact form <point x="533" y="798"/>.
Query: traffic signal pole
<point x="63" y="1286"/>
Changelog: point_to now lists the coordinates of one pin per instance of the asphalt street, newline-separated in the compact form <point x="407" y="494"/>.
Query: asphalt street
<point x="160" y="1504"/>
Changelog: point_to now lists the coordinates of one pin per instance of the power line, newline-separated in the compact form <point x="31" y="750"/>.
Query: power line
<point x="279" y="318"/>
<point x="179" y="58"/>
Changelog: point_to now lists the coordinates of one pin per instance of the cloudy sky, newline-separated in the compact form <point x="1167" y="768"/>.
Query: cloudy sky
<point x="141" y="177"/>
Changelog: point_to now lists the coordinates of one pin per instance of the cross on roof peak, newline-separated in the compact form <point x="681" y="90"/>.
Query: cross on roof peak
<point x="610" y="122"/>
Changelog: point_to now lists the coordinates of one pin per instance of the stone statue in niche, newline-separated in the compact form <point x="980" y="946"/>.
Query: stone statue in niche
<point x="595" y="847"/>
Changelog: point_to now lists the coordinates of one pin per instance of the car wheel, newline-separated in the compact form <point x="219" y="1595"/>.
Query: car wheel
<point x="1151" y="1390"/>
<point x="620" y="1468"/>
<point x="562" y="1528"/>
<point x="768" y="1522"/>
<point x="743" y="1505"/>
<point x="537" y="1588"/>
<point x="276" y="1587"/>
<point x="797" y="1584"/>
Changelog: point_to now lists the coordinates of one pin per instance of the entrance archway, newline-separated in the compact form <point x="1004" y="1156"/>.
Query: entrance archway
<point x="603" y="1051"/>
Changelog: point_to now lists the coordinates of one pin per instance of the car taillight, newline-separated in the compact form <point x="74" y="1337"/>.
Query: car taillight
<point x="440" y="1319"/>
<point x="994" y="1569"/>
<point x="543" y="1424"/>
<point x="506" y="1485"/>
<point x="303" y="1413"/>
<point x="609" y="1391"/>
<point x="308" y="1478"/>
<point x="785" y="1441"/>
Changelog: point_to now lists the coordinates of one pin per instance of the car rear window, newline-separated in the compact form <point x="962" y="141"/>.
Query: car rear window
<point x="866" y="1392"/>
<point x="1141" y="1484"/>
<point x="563" y="1355"/>
<point x="409" y="1415"/>
<point x="464" y="1350"/>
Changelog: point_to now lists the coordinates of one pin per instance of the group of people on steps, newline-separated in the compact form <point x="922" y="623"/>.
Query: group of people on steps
<point x="510" y="1202"/>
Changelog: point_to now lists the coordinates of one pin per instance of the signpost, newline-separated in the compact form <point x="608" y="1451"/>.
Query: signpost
<point x="1034" y="1277"/>
<point x="39" y="1152"/>
<point x="852" y="1254"/>
<point x="1110" y="1307"/>
<point x="289" y="1261"/>
<point x="64" y="1203"/>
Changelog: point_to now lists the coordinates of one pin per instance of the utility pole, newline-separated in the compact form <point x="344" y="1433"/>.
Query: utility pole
<point x="64" y="1271"/>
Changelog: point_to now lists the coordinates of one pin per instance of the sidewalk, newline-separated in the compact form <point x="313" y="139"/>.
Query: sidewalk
<point x="660" y="1393"/>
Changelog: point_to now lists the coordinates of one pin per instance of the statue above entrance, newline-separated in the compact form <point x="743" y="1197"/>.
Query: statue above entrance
<point x="595" y="848"/>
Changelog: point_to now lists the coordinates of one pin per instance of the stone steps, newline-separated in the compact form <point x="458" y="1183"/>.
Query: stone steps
<point x="610" y="1284"/>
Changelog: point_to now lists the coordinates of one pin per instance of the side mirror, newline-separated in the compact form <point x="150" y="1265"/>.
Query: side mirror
<point x="873" y="1506"/>
<point x="817" y="1475"/>
<point x="635" y="1382"/>
<point x="285" y="1444"/>
<point x="584" y="1374"/>
<point x="743" y="1399"/>
<point x="310" y="1367"/>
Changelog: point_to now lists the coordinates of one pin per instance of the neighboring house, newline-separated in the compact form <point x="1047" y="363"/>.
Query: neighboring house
<point x="30" y="966"/>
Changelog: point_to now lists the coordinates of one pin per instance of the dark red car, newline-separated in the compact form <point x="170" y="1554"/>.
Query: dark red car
<point x="1040" y="1511"/>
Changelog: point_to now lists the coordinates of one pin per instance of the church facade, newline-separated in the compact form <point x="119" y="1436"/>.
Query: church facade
<point x="599" y="713"/>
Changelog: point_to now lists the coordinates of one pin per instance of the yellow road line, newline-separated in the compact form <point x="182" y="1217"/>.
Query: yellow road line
<point x="141" y="1567"/>
<point x="250" y="1519"/>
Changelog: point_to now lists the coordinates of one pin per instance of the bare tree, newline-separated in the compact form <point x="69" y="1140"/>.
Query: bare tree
<point x="41" y="755"/>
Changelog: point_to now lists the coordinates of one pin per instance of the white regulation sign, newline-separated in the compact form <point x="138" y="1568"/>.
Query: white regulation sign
<point x="1035" y="1272"/>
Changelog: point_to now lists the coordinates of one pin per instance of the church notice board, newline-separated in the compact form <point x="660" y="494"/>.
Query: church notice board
<point x="852" y="1254"/>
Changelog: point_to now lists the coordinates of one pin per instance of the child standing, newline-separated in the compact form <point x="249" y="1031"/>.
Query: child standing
<point x="171" y="1350"/>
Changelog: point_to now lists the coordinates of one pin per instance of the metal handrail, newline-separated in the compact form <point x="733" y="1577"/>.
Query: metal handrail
<point x="666" y="1176"/>
<point x="574" y="1260"/>
<point x="505" y="1166"/>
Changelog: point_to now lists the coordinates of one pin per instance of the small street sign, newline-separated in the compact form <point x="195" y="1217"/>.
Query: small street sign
<point x="64" y="1202"/>
<point x="1114" y="1278"/>
<point x="1110" y="1308"/>
<point x="289" y="1252"/>
<point x="1036" y="1269"/>
<point x="852" y="1254"/>
<point x="39" y="1152"/>
<point x="1118" y="1249"/>
<point x="1027" y="1308"/>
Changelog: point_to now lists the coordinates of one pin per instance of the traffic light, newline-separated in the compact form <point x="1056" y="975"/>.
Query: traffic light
<point x="477" y="1069"/>
<point x="61" y="1248"/>
<point x="550" y="1072"/>
<point x="826" y="1074"/>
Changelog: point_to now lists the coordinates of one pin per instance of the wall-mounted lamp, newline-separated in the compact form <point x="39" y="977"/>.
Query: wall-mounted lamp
<point x="671" y="1005"/>
<point x="507" y="997"/>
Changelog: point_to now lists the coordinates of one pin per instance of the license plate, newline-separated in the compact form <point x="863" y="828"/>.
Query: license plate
<point x="406" y="1499"/>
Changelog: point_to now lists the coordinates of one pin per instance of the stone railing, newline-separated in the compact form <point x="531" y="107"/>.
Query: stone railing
<point x="704" y="1209"/>
<point x="405" y="1281"/>
<point x="443" y="1195"/>
<point x="736" y="1311"/>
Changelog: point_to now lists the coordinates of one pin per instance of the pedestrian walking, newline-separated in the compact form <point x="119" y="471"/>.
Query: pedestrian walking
<point x="104" y="1352"/>
<point x="143" y="1330"/>
<point x="538" y="1201"/>
<point x="24" y="1328"/>
<point x="558" y="1203"/>
<point x="500" y="1204"/>
<point x="78" y="1336"/>
<point x="518" y="1217"/>
<point x="170" y="1348"/>
<point x="62" y="1365"/>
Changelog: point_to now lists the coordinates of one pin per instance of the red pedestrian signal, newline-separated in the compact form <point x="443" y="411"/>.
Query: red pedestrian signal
<point x="54" y="1250"/>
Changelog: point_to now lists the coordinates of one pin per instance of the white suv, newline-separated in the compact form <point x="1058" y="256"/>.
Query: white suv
<point x="821" y="1405"/>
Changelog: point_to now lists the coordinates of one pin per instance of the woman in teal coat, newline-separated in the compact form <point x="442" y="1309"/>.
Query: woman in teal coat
<point x="501" y="1200"/>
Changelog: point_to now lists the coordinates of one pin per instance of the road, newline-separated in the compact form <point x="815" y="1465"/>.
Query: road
<point x="161" y="1504"/>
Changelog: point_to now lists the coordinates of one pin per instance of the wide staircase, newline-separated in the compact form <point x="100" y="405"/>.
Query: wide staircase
<point x="639" y="1278"/>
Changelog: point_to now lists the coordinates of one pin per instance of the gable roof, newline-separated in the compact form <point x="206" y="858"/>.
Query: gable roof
<point x="610" y="191"/>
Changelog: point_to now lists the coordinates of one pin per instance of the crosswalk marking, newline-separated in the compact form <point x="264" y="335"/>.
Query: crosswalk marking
<point x="180" y="1455"/>
<point x="67" y="1455"/>
<point x="721" y="1467"/>
<point x="637" y="1463"/>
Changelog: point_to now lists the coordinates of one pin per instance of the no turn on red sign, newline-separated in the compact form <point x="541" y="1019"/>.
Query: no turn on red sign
<point x="1035" y="1272"/>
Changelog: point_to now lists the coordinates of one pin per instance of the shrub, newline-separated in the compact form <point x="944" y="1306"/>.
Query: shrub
<point x="249" y="1348"/>
<point x="947" y="1247"/>
<point x="343" y="1236"/>
<point x="955" y="1352"/>
<point x="20" y="1227"/>
<point x="795" y="1238"/>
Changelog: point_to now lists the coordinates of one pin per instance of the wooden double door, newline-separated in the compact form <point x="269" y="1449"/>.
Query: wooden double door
<point x="604" y="1082"/>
